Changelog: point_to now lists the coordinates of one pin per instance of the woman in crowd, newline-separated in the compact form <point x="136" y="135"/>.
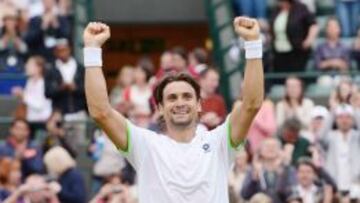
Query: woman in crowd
<point x="10" y="177"/>
<point x="294" y="104"/>
<point x="294" y="31"/>
<point x="38" y="107"/>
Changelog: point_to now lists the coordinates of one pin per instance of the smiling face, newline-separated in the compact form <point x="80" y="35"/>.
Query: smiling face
<point x="180" y="105"/>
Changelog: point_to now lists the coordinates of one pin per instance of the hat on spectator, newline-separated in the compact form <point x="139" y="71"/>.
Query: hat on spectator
<point x="319" y="112"/>
<point x="344" y="109"/>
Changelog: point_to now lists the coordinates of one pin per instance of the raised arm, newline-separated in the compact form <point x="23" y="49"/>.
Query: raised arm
<point x="253" y="90"/>
<point x="112" y="122"/>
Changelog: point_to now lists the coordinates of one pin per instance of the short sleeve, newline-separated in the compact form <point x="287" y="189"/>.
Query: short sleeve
<point x="223" y="134"/>
<point x="138" y="144"/>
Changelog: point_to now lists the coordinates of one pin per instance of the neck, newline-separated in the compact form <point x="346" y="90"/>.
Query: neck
<point x="306" y="187"/>
<point x="344" y="132"/>
<point x="270" y="164"/>
<point x="182" y="134"/>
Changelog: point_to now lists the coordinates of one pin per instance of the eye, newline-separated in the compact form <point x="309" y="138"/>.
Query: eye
<point x="172" y="97"/>
<point x="187" y="96"/>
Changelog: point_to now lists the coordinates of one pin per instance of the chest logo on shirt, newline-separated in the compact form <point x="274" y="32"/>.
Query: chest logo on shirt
<point x="206" y="148"/>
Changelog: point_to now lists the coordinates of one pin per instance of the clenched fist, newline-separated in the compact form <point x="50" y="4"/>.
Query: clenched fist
<point x="247" y="28"/>
<point x="96" y="34"/>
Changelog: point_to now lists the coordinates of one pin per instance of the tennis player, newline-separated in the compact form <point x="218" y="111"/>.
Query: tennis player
<point x="182" y="165"/>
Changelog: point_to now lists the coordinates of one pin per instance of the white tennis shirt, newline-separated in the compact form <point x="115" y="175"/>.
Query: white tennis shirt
<point x="173" y="172"/>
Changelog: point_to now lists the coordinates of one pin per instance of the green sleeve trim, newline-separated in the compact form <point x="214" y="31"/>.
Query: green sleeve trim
<point x="230" y="143"/>
<point x="128" y="137"/>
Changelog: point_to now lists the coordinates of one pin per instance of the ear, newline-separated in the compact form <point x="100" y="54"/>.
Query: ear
<point x="199" y="109"/>
<point x="160" y="109"/>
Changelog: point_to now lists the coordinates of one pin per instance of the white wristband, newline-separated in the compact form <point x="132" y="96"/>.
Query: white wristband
<point x="253" y="49"/>
<point x="92" y="57"/>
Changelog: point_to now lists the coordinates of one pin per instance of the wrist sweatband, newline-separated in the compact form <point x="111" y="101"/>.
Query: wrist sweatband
<point x="92" y="57"/>
<point x="253" y="49"/>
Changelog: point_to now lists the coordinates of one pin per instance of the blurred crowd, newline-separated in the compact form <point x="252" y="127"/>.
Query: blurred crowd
<point x="297" y="150"/>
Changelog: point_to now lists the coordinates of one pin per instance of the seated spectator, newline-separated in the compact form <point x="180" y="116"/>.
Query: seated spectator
<point x="294" y="104"/>
<point x="68" y="175"/>
<point x="19" y="147"/>
<point x="35" y="190"/>
<point x="57" y="134"/>
<point x="237" y="175"/>
<point x="294" y="31"/>
<point x="38" y="107"/>
<point x="332" y="54"/>
<point x="45" y="30"/>
<point x="307" y="190"/>
<point x="140" y="93"/>
<point x="293" y="141"/>
<point x="269" y="174"/>
<point x="124" y="79"/>
<point x="342" y="147"/>
<point x="263" y="125"/>
<point x="10" y="177"/>
<point x="348" y="13"/>
<point x="179" y="58"/>
<point x="166" y="65"/>
<point x="197" y="61"/>
<point x="342" y="94"/>
<point x="106" y="156"/>
<point x="213" y="107"/>
<point x="114" y="191"/>
<point x="64" y="85"/>
<point x="12" y="47"/>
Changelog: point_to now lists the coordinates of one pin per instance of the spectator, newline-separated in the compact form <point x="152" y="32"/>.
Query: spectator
<point x="212" y="104"/>
<point x="348" y="12"/>
<point x="124" y="79"/>
<point x="179" y="59"/>
<point x="342" y="146"/>
<point x="64" y="85"/>
<point x="45" y="30"/>
<point x="57" y="135"/>
<point x="237" y="175"/>
<point x="113" y="191"/>
<point x="294" y="31"/>
<point x="332" y="54"/>
<point x="12" y="47"/>
<point x="294" y="104"/>
<point x="307" y="190"/>
<point x="197" y="61"/>
<point x="107" y="158"/>
<point x="342" y="94"/>
<point x="19" y="147"/>
<point x="69" y="177"/>
<point x="10" y="177"/>
<point x="166" y="65"/>
<point x="270" y="173"/>
<point x="38" y="107"/>
<point x="293" y="141"/>
<point x="255" y="8"/>
<point x="263" y="125"/>
<point x="35" y="190"/>
<point x="139" y="94"/>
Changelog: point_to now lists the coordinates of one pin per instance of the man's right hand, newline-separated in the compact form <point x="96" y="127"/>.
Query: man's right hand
<point x="96" y="34"/>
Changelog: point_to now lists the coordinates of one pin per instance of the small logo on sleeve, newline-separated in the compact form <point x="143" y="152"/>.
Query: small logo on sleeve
<point x="206" y="147"/>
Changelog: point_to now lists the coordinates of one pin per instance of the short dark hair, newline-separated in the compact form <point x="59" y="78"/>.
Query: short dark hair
<point x="200" y="55"/>
<point x="293" y="124"/>
<point x="306" y="161"/>
<point x="184" y="77"/>
<point x="179" y="51"/>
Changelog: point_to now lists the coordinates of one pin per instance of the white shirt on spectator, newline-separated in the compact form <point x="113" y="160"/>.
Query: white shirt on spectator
<point x="169" y="171"/>
<point x="67" y="69"/>
<point x="343" y="163"/>
<point x="307" y="195"/>
<point x="38" y="106"/>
